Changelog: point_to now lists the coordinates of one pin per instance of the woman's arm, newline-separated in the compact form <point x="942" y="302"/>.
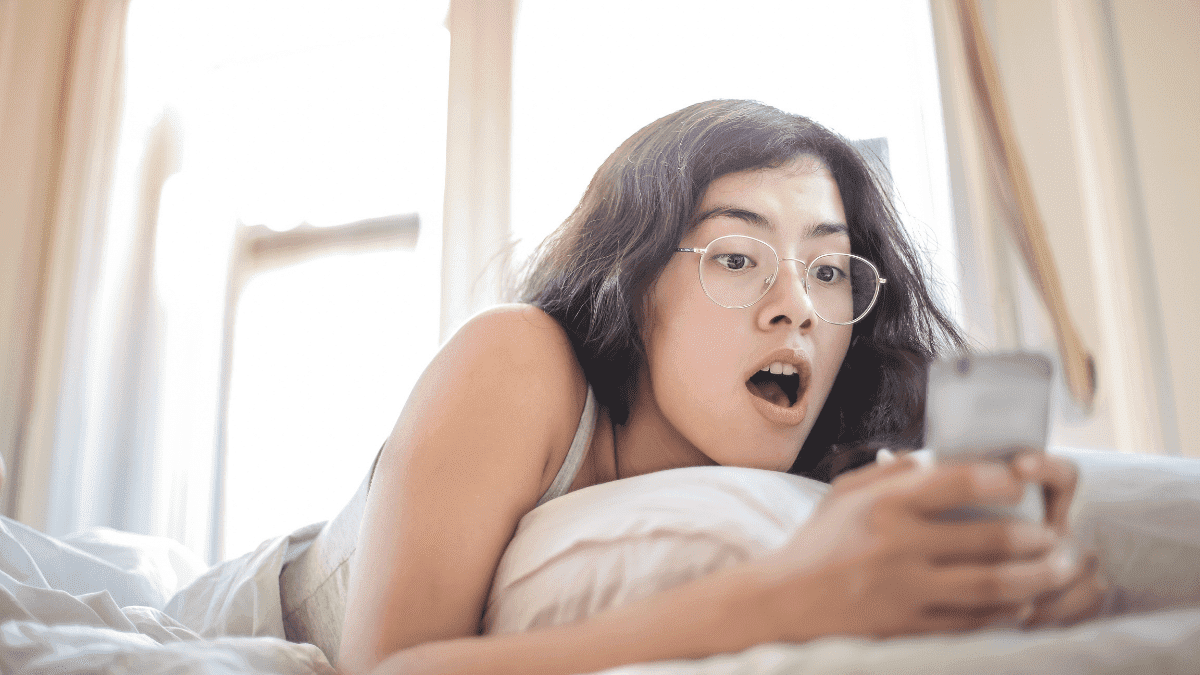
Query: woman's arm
<point x="869" y="563"/>
<point x="711" y="615"/>
<point x="470" y="454"/>
<point x="482" y="437"/>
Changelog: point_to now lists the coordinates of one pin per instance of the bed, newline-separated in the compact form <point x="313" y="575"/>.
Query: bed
<point x="105" y="601"/>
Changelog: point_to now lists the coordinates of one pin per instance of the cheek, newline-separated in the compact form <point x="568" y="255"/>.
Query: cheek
<point x="838" y="345"/>
<point x="702" y="359"/>
<point x="690" y="341"/>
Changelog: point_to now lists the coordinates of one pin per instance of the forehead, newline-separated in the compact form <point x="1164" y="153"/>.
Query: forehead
<point x="801" y="197"/>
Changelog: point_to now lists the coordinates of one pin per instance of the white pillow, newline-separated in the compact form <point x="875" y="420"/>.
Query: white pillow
<point x="610" y="544"/>
<point x="1141" y="512"/>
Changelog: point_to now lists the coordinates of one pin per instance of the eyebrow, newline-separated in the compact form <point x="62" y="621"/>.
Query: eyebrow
<point x="760" y="221"/>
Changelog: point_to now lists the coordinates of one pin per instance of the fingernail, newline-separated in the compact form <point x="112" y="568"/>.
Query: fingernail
<point x="885" y="457"/>
<point x="923" y="458"/>
<point x="1063" y="562"/>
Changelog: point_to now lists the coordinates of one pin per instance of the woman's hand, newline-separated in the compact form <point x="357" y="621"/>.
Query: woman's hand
<point x="875" y="559"/>
<point x="1083" y="597"/>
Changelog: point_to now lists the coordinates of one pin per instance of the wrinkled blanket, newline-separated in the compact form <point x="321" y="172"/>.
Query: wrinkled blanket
<point x="104" y="601"/>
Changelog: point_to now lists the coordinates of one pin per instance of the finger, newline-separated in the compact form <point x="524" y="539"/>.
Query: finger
<point x="1082" y="599"/>
<point x="959" y="619"/>
<point x="1058" y="478"/>
<point x="946" y="487"/>
<point x="1012" y="583"/>
<point x="985" y="541"/>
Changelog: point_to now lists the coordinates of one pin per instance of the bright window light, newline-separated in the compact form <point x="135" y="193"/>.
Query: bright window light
<point x="328" y="113"/>
<point x="588" y="75"/>
<point x="326" y="354"/>
<point x="290" y="112"/>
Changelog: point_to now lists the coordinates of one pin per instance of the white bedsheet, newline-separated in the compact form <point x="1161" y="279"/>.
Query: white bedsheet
<point x="110" y="602"/>
<point x="1155" y="643"/>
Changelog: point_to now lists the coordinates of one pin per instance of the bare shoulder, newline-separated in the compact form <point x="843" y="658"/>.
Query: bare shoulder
<point x="507" y="385"/>
<point x="514" y="359"/>
<point x="518" y="331"/>
<point x="467" y="459"/>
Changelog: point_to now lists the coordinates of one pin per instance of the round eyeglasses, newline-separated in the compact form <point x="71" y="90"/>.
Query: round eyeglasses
<point x="737" y="271"/>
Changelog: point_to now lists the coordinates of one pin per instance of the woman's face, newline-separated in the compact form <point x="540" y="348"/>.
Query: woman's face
<point x="701" y="356"/>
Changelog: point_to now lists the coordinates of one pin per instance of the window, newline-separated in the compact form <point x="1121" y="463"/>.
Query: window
<point x="300" y="113"/>
<point x="289" y="113"/>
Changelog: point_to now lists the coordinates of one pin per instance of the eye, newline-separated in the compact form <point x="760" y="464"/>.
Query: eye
<point x="829" y="274"/>
<point x="734" y="262"/>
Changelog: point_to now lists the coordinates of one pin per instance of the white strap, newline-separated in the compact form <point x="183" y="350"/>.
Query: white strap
<point x="579" y="445"/>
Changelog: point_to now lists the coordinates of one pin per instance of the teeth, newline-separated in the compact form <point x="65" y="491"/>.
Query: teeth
<point x="779" y="368"/>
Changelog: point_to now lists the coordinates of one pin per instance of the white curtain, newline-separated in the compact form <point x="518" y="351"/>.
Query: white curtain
<point x="85" y="323"/>
<point x="106" y="452"/>
<point x="475" y="221"/>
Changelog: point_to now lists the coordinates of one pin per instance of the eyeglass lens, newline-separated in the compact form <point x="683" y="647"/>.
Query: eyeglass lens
<point x="737" y="271"/>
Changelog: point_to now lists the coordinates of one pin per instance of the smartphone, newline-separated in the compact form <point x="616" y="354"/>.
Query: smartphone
<point x="989" y="407"/>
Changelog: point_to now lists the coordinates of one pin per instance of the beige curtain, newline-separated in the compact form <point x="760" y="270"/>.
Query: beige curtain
<point x="1049" y="208"/>
<point x="1010" y="183"/>
<point x="60" y="100"/>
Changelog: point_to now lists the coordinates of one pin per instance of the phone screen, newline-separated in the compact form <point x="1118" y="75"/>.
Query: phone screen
<point x="987" y="406"/>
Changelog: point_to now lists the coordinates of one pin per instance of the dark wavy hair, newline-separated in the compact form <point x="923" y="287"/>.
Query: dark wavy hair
<point x="593" y="272"/>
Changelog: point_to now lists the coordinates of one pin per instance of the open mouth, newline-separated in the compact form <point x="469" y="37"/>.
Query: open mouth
<point x="777" y="388"/>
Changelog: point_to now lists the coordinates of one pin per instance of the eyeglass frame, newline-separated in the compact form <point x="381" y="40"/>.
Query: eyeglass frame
<point x="879" y="279"/>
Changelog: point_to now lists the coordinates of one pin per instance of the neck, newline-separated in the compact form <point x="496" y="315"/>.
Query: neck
<point x="648" y="442"/>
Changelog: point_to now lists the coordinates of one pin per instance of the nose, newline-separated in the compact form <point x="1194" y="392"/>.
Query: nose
<point x="786" y="302"/>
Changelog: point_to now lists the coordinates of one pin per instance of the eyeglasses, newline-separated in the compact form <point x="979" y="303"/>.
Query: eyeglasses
<point x="737" y="271"/>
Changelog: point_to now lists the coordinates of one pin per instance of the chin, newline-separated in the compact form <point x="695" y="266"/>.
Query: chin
<point x="769" y="450"/>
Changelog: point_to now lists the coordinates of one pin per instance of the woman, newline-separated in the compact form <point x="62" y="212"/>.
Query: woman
<point x="735" y="289"/>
